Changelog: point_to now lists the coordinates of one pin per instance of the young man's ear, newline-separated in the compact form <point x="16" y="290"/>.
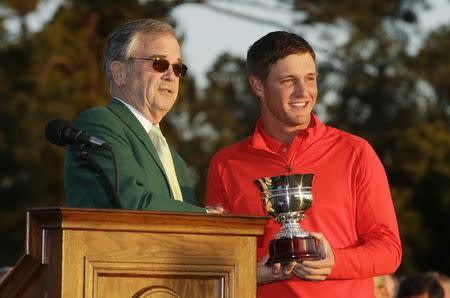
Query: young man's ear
<point x="118" y="71"/>
<point x="256" y="85"/>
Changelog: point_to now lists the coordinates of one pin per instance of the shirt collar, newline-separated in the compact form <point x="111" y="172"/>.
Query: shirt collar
<point x="271" y="143"/>
<point x="262" y="140"/>
<point x="139" y="116"/>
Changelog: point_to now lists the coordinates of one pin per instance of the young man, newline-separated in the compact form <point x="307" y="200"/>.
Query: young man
<point x="352" y="214"/>
<point x="143" y="67"/>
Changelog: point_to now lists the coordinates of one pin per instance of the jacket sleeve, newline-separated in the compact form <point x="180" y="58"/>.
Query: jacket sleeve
<point x="378" y="250"/>
<point x="138" y="190"/>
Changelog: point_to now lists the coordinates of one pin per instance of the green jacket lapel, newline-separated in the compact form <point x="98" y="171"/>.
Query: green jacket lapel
<point x="127" y="117"/>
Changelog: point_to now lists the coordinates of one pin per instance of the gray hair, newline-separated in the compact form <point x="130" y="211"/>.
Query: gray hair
<point x="122" y="41"/>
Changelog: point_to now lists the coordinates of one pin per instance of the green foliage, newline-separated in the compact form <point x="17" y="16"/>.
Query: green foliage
<point x="432" y="66"/>
<point x="21" y="7"/>
<point x="414" y="226"/>
<point x="366" y="14"/>
<point x="421" y="165"/>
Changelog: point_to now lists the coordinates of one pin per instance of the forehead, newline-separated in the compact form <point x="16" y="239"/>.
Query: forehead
<point x="294" y="64"/>
<point x="163" y="44"/>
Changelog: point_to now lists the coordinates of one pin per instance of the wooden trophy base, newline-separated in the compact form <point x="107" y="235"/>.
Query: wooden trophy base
<point x="285" y="250"/>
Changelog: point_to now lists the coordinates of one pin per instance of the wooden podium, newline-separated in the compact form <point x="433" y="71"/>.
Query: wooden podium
<point x="120" y="253"/>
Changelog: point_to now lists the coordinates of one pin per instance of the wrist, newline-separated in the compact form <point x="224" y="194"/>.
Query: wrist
<point x="265" y="275"/>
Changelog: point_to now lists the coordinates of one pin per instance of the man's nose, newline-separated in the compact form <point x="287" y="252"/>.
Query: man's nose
<point x="170" y="74"/>
<point x="299" y="89"/>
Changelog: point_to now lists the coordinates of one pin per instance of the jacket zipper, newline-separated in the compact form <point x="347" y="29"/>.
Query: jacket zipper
<point x="288" y="162"/>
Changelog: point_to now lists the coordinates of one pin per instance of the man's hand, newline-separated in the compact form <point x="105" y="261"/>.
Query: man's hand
<point x="317" y="270"/>
<point x="218" y="209"/>
<point x="266" y="274"/>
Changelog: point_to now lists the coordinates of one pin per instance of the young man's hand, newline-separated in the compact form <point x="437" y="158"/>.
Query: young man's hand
<point x="320" y="269"/>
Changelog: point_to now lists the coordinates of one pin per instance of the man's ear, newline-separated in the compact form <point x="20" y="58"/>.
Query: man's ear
<point x="256" y="85"/>
<point x="119" y="72"/>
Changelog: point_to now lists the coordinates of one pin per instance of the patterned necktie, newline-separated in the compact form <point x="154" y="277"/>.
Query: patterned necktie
<point x="165" y="156"/>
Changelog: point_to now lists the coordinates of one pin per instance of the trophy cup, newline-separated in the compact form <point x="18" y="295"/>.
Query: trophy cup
<point x="288" y="199"/>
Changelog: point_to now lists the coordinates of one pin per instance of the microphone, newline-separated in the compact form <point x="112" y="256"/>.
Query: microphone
<point x="60" y="132"/>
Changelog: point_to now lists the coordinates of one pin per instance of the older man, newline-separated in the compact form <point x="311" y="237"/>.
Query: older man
<point x="143" y="67"/>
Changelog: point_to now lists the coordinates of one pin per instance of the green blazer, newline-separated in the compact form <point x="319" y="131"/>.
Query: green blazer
<point x="143" y="182"/>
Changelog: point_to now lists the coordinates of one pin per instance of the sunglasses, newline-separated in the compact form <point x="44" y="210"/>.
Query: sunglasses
<point x="162" y="65"/>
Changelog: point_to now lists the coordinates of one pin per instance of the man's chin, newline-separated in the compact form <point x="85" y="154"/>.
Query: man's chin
<point x="301" y="121"/>
<point x="165" y="104"/>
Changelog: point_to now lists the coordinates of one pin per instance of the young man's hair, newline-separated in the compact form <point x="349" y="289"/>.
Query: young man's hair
<point x="272" y="47"/>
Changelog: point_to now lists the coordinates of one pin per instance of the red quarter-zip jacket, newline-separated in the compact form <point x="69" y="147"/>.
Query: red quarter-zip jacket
<point x="352" y="205"/>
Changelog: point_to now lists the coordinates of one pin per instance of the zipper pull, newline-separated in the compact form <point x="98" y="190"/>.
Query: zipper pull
<point x="289" y="168"/>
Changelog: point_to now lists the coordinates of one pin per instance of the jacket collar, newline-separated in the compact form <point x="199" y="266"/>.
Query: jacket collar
<point x="128" y="118"/>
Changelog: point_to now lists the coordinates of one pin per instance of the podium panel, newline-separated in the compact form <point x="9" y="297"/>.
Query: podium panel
<point x="97" y="253"/>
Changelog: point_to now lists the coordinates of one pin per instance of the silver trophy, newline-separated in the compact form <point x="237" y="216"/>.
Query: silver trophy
<point x="288" y="199"/>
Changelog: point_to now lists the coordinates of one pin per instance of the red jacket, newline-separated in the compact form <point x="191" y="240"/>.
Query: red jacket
<point x="352" y="205"/>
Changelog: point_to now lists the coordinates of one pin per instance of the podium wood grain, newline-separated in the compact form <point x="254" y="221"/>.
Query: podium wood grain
<point x="111" y="253"/>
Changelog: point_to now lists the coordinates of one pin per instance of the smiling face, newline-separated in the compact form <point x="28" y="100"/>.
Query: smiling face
<point x="288" y="95"/>
<point x="151" y="92"/>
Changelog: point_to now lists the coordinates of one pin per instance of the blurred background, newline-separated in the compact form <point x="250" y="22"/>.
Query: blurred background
<point x="384" y="75"/>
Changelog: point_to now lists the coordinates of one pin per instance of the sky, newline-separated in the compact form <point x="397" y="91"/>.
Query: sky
<point x="208" y="33"/>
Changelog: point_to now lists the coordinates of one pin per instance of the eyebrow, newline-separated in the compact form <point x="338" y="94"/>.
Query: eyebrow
<point x="163" y="56"/>
<point x="289" y="75"/>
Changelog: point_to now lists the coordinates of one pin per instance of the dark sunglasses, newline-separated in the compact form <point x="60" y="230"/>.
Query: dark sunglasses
<point x="162" y="65"/>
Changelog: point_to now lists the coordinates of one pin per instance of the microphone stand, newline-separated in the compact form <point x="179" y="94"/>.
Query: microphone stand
<point x="112" y="192"/>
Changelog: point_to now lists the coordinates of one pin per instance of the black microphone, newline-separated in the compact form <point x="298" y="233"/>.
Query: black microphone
<point x="60" y="132"/>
